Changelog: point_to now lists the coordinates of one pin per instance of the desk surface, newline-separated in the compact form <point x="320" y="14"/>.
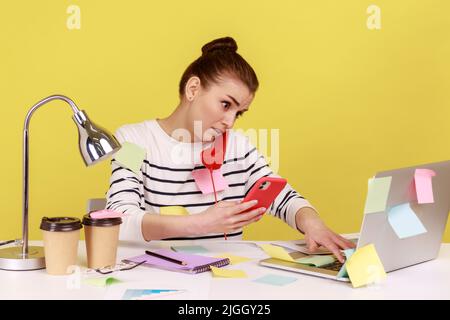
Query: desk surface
<point x="429" y="280"/>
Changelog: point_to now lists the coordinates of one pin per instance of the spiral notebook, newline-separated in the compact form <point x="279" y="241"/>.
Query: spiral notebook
<point x="195" y="263"/>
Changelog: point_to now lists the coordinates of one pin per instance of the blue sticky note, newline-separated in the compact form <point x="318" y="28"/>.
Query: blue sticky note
<point x="343" y="272"/>
<point x="190" y="249"/>
<point x="275" y="280"/>
<point x="404" y="221"/>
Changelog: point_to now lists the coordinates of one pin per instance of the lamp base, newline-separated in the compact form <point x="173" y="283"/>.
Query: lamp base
<point x="12" y="259"/>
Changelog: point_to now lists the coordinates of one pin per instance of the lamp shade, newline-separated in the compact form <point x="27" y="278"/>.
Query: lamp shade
<point x="95" y="142"/>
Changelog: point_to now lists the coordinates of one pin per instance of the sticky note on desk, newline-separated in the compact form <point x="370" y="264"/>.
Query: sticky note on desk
<point x="275" y="280"/>
<point x="202" y="178"/>
<point x="405" y="222"/>
<point x="277" y="252"/>
<point x="102" y="282"/>
<point x="233" y="259"/>
<point x="343" y="272"/>
<point x="424" y="185"/>
<point x="131" y="156"/>
<point x="190" y="249"/>
<point x="377" y="194"/>
<point x="318" y="261"/>
<point x="173" y="211"/>
<point x="365" y="267"/>
<point x="227" y="273"/>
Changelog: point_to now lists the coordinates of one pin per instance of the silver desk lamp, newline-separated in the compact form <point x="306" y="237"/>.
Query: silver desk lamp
<point x="95" y="144"/>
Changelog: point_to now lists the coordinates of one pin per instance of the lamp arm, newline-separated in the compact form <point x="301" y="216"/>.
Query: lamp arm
<point x="25" y="159"/>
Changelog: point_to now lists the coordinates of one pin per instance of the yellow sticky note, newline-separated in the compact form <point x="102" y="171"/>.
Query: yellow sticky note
<point x="173" y="211"/>
<point x="277" y="252"/>
<point x="365" y="267"/>
<point x="101" y="282"/>
<point x="233" y="259"/>
<point x="228" y="273"/>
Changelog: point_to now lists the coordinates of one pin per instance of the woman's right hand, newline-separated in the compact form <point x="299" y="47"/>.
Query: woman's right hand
<point x="227" y="216"/>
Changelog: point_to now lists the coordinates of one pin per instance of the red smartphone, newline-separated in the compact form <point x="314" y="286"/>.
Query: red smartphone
<point x="265" y="190"/>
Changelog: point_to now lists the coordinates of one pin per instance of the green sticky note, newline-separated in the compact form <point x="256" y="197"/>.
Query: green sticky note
<point x="343" y="272"/>
<point x="377" y="194"/>
<point x="318" y="261"/>
<point x="275" y="280"/>
<point x="131" y="156"/>
<point x="102" y="282"/>
<point x="190" y="249"/>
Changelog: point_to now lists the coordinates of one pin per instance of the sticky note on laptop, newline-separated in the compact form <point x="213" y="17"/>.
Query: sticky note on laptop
<point x="365" y="267"/>
<point x="131" y="156"/>
<point x="424" y="185"/>
<point x="404" y="221"/>
<point x="377" y="194"/>
<point x="277" y="252"/>
<point x="343" y="272"/>
<point x="317" y="261"/>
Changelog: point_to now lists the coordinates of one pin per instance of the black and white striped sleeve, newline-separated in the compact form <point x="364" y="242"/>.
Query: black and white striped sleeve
<point x="126" y="195"/>
<point x="288" y="202"/>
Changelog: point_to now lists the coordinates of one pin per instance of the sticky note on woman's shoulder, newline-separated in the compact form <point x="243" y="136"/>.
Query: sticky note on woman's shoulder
<point x="131" y="156"/>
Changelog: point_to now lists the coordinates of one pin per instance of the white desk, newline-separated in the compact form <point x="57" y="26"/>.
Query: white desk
<point x="430" y="280"/>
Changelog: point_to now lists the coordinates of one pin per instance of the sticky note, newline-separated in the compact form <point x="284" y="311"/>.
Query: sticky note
<point x="317" y="261"/>
<point x="277" y="252"/>
<point x="190" y="249"/>
<point x="228" y="273"/>
<point x="202" y="178"/>
<point x="233" y="259"/>
<point x="106" y="214"/>
<point x="377" y="195"/>
<point x="101" y="282"/>
<point x="365" y="267"/>
<point x="131" y="156"/>
<point x="343" y="272"/>
<point x="275" y="280"/>
<point x="424" y="185"/>
<point x="405" y="222"/>
<point x="173" y="211"/>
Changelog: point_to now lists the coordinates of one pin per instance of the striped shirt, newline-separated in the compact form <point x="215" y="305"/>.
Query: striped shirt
<point x="165" y="179"/>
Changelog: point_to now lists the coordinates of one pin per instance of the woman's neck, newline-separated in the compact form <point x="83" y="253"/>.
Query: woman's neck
<point x="177" y="120"/>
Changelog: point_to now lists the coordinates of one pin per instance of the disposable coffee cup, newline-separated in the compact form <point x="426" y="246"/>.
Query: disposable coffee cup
<point x="102" y="239"/>
<point x="61" y="237"/>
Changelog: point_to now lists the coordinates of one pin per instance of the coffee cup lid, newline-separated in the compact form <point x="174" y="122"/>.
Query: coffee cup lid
<point x="107" y="222"/>
<point x="60" y="224"/>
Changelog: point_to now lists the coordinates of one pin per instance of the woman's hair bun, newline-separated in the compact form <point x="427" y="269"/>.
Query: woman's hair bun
<point x="226" y="43"/>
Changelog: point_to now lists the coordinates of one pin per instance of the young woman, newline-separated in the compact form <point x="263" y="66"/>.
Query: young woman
<point x="214" y="91"/>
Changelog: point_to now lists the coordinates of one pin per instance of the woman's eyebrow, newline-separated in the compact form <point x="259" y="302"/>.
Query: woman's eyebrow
<point x="234" y="100"/>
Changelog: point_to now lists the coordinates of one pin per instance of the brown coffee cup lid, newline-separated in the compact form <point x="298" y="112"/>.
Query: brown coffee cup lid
<point x="60" y="224"/>
<point x="107" y="222"/>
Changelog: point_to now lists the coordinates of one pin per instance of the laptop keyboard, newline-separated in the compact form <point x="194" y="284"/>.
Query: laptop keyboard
<point x="335" y="266"/>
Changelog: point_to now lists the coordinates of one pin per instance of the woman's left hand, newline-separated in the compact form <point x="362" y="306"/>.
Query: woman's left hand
<point x="317" y="233"/>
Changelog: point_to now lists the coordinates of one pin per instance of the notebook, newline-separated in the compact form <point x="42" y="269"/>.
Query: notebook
<point x="195" y="263"/>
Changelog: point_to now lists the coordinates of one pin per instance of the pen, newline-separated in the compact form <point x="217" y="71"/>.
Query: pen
<point x="165" y="258"/>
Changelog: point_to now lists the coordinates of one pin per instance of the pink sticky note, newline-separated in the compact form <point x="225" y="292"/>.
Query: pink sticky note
<point x="203" y="180"/>
<point x="424" y="186"/>
<point x="105" y="214"/>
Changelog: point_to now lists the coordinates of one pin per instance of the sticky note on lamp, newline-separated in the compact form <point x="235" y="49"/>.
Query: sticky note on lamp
<point x="277" y="252"/>
<point x="424" y="185"/>
<point x="365" y="267"/>
<point x="173" y="211"/>
<point x="131" y="156"/>
<point x="202" y="178"/>
<point x="405" y="222"/>
<point x="377" y="194"/>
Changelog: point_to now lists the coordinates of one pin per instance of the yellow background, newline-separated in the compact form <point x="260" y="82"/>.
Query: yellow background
<point x="348" y="101"/>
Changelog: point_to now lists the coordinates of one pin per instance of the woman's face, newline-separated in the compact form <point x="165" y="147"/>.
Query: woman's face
<point x="217" y="107"/>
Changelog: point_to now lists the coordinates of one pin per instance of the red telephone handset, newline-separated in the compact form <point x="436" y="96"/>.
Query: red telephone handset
<point x="265" y="190"/>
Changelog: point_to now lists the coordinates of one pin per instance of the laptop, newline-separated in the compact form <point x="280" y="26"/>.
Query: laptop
<point x="394" y="253"/>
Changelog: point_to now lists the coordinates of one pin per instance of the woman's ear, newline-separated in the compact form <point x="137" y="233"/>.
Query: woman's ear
<point x="192" y="88"/>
